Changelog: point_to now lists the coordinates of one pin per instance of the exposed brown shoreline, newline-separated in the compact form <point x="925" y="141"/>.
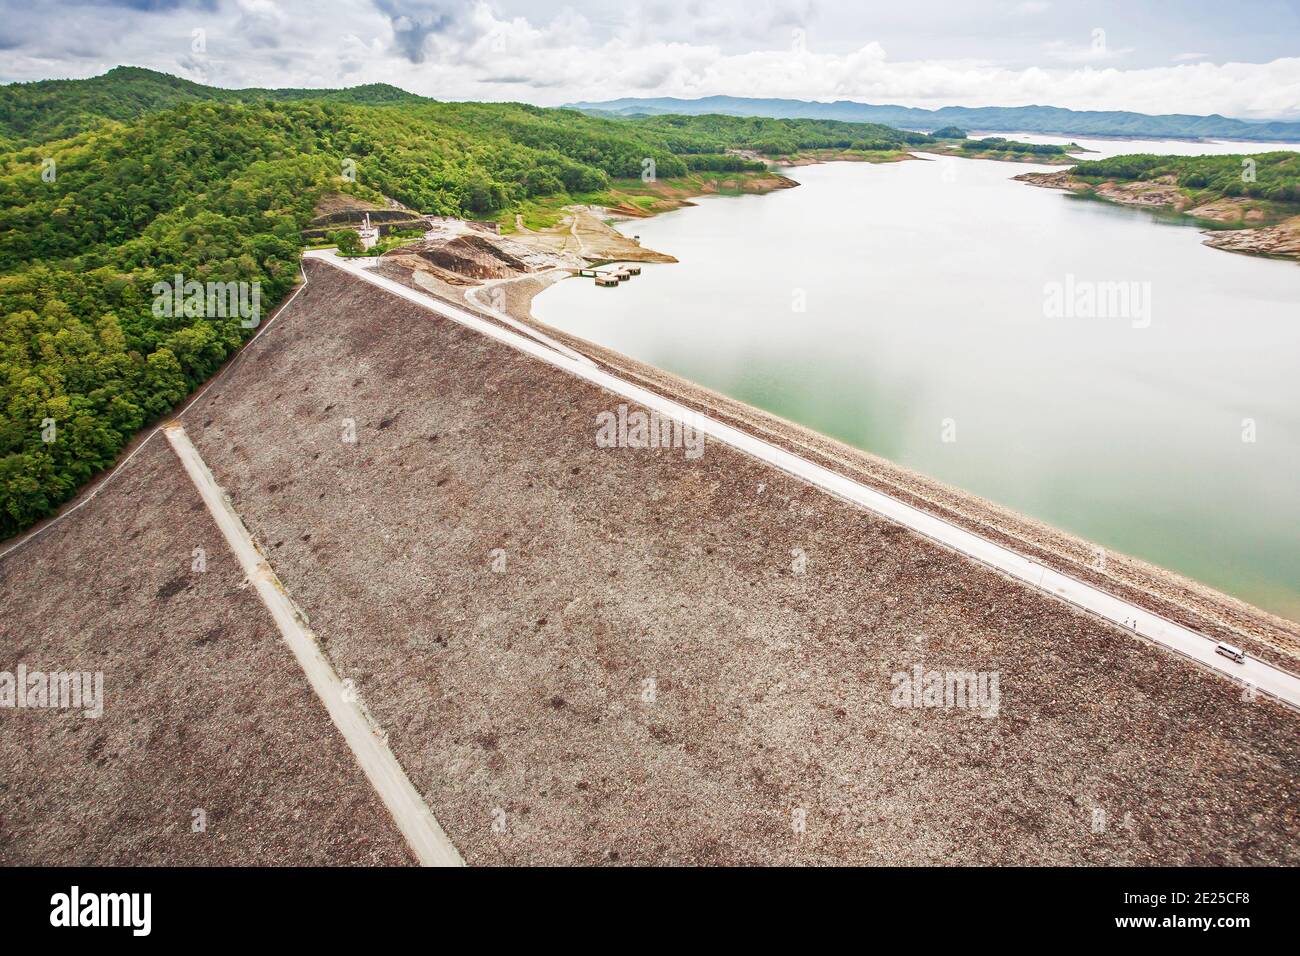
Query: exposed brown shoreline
<point x="1257" y="237"/>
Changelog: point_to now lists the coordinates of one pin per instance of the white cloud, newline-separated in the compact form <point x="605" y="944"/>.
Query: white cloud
<point x="468" y="51"/>
<point x="260" y="23"/>
<point x="577" y="69"/>
<point x="1095" y="50"/>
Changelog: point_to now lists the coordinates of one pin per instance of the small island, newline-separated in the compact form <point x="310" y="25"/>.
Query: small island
<point x="954" y="141"/>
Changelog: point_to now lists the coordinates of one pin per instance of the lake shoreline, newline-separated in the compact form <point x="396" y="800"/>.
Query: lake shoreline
<point x="735" y="250"/>
<point x="671" y="195"/>
<point x="1277" y="240"/>
<point x="591" y="238"/>
<point x="1175" y="596"/>
<point x="1169" y="593"/>
<point x="1270" y="240"/>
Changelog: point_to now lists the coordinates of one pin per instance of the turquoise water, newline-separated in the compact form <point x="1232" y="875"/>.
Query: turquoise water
<point x="897" y="306"/>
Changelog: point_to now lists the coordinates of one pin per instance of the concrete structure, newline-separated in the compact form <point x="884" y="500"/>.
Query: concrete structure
<point x="369" y="234"/>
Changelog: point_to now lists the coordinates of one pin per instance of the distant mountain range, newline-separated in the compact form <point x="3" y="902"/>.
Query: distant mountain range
<point x="1027" y="119"/>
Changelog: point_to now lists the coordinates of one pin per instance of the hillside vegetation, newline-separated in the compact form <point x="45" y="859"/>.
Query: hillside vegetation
<point x="1274" y="176"/>
<point x="55" y="109"/>
<point x="998" y="144"/>
<point x="714" y="133"/>
<point x="1007" y="150"/>
<point x="113" y="184"/>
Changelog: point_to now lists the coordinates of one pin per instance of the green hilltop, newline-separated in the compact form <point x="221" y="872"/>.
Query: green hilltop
<point x="1273" y="176"/>
<point x="55" y="109"/>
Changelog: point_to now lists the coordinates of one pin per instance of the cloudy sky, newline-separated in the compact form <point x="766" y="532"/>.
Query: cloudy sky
<point x="1239" y="57"/>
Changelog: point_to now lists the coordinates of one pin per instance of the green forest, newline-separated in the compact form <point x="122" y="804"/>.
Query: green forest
<point x="714" y="133"/>
<point x="1000" y="144"/>
<point x="115" y="183"/>
<point x="1273" y="176"/>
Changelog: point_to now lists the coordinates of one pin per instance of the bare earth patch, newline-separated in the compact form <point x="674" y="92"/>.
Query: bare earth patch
<point x="1281" y="240"/>
<point x="585" y="234"/>
<point x="1229" y="210"/>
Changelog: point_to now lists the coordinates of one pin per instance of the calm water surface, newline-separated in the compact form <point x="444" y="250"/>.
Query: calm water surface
<point x="923" y="288"/>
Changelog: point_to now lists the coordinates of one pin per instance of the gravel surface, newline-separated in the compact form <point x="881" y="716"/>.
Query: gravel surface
<point x="1177" y="598"/>
<point x="204" y="706"/>
<point x="770" y="617"/>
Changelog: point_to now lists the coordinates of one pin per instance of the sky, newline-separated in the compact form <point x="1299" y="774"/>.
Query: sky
<point x="1239" y="58"/>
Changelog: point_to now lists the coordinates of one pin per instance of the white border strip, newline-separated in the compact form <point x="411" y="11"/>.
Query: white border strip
<point x="413" y="816"/>
<point x="1264" y="676"/>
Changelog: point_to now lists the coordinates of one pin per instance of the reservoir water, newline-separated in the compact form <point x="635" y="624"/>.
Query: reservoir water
<point x="918" y="310"/>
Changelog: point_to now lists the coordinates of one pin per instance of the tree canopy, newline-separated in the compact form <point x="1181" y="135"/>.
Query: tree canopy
<point x="1274" y="176"/>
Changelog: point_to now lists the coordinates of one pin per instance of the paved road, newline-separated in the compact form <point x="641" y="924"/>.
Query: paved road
<point x="1261" y="675"/>
<point x="346" y="709"/>
<point x="472" y="297"/>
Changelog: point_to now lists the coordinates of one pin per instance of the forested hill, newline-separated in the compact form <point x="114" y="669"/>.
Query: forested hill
<point x="113" y="184"/>
<point x="54" y="109"/>
<point x="1273" y="176"/>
